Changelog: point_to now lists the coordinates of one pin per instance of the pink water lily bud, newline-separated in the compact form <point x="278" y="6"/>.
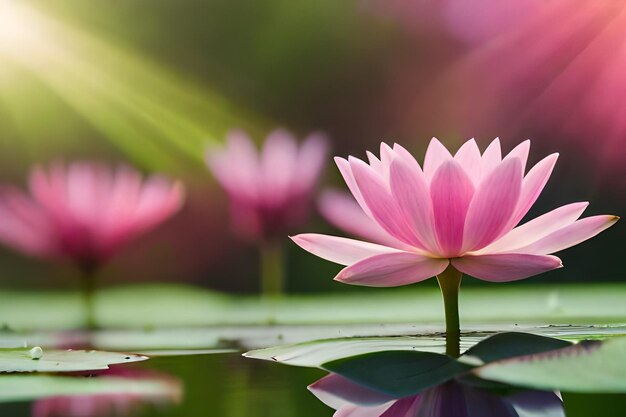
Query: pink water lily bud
<point x="270" y="191"/>
<point x="84" y="211"/>
<point x="461" y="210"/>
<point x="451" y="399"/>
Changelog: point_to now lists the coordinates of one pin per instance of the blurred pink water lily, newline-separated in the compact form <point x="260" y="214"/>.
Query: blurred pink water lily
<point x="84" y="211"/>
<point x="121" y="404"/>
<point x="451" y="399"/>
<point x="98" y="405"/>
<point x="270" y="191"/>
<point x="459" y="210"/>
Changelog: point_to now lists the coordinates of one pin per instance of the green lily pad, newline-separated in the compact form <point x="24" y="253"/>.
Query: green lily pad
<point x="242" y="337"/>
<point x="590" y="367"/>
<point x="502" y="346"/>
<point x="158" y="306"/>
<point x="297" y="336"/>
<point x="315" y="353"/>
<point x="402" y="366"/>
<point x="39" y="360"/>
<point x="32" y="387"/>
<point x="398" y="373"/>
<point x="510" y="344"/>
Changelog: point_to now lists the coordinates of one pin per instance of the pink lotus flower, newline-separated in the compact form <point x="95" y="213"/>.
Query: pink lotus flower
<point x="270" y="192"/>
<point x="458" y="211"/>
<point x="342" y="211"/>
<point x="84" y="211"/>
<point x="451" y="399"/>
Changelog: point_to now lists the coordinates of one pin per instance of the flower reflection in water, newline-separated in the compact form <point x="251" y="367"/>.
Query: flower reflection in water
<point x="113" y="404"/>
<point x="451" y="399"/>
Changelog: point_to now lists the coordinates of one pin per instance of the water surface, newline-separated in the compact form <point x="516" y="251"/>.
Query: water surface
<point x="228" y="384"/>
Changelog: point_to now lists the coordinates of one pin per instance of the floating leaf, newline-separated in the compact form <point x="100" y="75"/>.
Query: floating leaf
<point x="256" y="337"/>
<point x="314" y="354"/>
<point x="159" y="305"/>
<point x="246" y="337"/>
<point x="510" y="344"/>
<point x="406" y="365"/>
<point x="37" y="360"/>
<point x="590" y="366"/>
<point x="31" y="387"/>
<point x="317" y="352"/>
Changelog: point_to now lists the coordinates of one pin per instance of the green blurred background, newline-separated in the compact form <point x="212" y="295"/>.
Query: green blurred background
<point x="157" y="82"/>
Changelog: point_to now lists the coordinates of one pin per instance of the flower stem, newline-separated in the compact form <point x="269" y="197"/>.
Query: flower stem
<point x="450" y="283"/>
<point x="88" y="287"/>
<point x="272" y="268"/>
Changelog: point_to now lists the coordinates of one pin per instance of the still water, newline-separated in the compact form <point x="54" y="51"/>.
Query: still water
<point x="230" y="385"/>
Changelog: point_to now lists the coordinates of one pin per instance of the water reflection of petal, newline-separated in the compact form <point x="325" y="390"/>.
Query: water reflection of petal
<point x="451" y="399"/>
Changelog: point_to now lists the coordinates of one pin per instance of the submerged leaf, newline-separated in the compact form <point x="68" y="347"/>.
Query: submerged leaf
<point x="398" y="373"/>
<point x="503" y="346"/>
<point x="589" y="366"/>
<point x="508" y="345"/>
<point x="33" y="360"/>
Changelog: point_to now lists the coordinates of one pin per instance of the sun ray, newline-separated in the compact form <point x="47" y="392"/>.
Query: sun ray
<point x="152" y="114"/>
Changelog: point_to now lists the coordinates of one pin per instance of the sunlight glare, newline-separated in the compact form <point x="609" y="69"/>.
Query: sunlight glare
<point x="18" y="28"/>
<point x="152" y="114"/>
